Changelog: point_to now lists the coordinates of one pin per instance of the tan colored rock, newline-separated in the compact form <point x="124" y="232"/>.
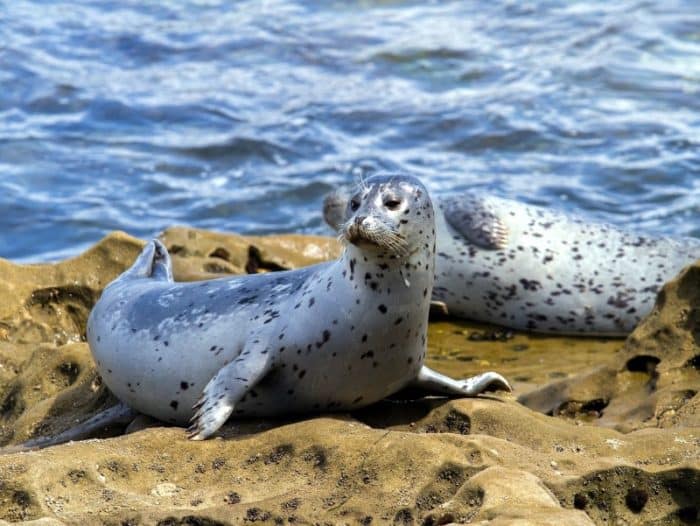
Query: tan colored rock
<point x="199" y="254"/>
<point x="516" y="497"/>
<point x="339" y="469"/>
<point x="51" y="302"/>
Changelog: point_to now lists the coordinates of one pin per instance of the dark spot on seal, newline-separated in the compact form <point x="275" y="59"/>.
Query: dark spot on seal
<point x="382" y="308"/>
<point x="174" y="404"/>
<point x="530" y="284"/>
<point x="184" y="385"/>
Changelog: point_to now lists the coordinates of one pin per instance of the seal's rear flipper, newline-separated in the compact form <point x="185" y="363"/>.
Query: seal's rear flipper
<point x="118" y="414"/>
<point x="153" y="262"/>
<point x="225" y="390"/>
<point x="162" y="264"/>
<point x="437" y="383"/>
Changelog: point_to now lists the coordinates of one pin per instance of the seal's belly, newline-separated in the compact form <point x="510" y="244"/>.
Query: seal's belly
<point x="163" y="378"/>
<point x="320" y="363"/>
<point x="166" y="386"/>
<point x="159" y="366"/>
<point x="328" y="385"/>
<point x="343" y="366"/>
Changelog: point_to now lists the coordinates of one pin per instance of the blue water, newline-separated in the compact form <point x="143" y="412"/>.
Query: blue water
<point x="136" y="115"/>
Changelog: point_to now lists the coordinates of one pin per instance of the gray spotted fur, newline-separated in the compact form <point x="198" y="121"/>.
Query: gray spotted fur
<point x="525" y="267"/>
<point x="333" y="336"/>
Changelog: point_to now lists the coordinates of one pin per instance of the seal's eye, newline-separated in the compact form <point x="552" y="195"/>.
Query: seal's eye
<point x="392" y="204"/>
<point x="354" y="205"/>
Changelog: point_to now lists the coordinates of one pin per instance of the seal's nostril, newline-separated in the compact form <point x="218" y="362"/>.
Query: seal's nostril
<point x="360" y="219"/>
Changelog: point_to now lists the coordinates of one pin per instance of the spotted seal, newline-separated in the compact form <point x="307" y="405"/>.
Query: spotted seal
<point x="334" y="336"/>
<point x="525" y="267"/>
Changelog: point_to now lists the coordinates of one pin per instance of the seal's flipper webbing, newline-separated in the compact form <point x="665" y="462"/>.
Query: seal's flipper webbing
<point x="475" y="221"/>
<point x="225" y="390"/>
<point x="117" y="414"/>
<point x="436" y="383"/>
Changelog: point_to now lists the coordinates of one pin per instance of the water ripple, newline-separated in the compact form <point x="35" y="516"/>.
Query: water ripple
<point x="240" y="116"/>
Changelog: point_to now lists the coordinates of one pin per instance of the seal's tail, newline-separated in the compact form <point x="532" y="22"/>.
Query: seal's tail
<point x="153" y="262"/>
<point x="118" y="414"/>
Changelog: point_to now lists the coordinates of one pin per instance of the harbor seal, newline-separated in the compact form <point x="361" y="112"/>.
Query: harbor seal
<point x="525" y="267"/>
<point x="334" y="336"/>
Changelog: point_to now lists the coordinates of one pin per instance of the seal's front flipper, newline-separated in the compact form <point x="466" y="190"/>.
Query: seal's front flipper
<point x="476" y="221"/>
<point x="118" y="414"/>
<point x="153" y="262"/>
<point x="435" y="382"/>
<point x="225" y="390"/>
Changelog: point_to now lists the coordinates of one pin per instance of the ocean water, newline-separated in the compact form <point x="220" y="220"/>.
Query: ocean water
<point x="240" y="116"/>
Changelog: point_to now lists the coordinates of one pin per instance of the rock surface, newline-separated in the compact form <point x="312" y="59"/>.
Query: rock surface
<point x="603" y="431"/>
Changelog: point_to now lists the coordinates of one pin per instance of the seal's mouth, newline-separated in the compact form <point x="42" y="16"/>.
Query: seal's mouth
<point x="374" y="239"/>
<point x="356" y="235"/>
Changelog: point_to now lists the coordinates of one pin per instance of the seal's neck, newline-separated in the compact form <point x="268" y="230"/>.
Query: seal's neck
<point x="383" y="270"/>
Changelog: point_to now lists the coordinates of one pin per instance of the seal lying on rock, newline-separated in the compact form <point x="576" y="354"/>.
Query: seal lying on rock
<point x="335" y="336"/>
<point x="525" y="267"/>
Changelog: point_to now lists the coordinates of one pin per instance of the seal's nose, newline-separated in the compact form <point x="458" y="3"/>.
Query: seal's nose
<point x="359" y="220"/>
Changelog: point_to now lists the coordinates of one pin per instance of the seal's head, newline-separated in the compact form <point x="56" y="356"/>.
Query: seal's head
<point x="390" y="216"/>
